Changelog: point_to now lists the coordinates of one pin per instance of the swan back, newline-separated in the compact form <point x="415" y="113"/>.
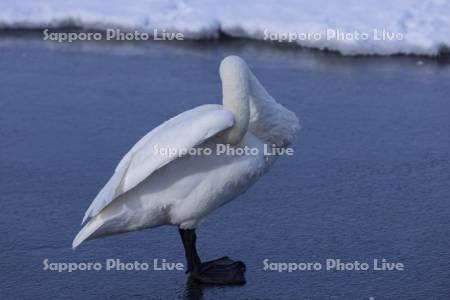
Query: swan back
<point x="253" y="107"/>
<point x="184" y="131"/>
<point x="269" y="120"/>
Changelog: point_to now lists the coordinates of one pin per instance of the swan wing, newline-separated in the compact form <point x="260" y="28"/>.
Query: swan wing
<point x="151" y="152"/>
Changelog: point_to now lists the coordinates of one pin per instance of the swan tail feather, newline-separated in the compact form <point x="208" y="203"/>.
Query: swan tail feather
<point x="86" y="232"/>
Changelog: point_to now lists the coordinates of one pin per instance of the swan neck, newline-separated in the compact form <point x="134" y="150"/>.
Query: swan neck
<point x="236" y="98"/>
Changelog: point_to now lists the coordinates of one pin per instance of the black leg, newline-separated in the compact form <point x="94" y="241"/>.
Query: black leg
<point x="218" y="271"/>
<point x="189" y="238"/>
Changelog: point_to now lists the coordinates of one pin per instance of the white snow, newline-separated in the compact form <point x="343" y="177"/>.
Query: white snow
<point x="423" y="25"/>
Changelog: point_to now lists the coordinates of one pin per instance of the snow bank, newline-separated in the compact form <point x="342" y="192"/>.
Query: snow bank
<point x="359" y="27"/>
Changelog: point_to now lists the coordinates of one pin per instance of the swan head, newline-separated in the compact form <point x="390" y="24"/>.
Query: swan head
<point x="234" y="74"/>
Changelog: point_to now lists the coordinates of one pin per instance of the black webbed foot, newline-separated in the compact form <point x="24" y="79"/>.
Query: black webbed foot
<point x="220" y="271"/>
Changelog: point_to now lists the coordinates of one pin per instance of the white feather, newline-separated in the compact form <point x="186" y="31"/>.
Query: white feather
<point x="149" y="189"/>
<point x="184" y="131"/>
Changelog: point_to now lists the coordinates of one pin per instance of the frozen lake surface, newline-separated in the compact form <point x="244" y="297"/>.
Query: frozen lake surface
<point x="369" y="179"/>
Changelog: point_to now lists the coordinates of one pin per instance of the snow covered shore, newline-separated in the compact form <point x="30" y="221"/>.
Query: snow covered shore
<point x="348" y="26"/>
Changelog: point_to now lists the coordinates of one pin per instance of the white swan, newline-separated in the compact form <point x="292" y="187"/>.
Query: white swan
<point x="153" y="186"/>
